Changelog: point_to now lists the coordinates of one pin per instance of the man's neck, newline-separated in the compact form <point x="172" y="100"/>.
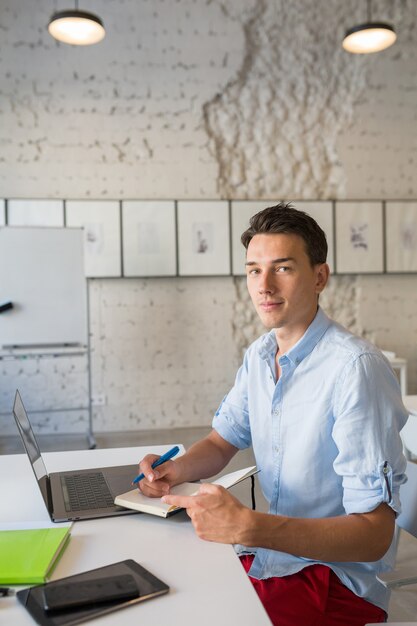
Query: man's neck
<point x="286" y="342"/>
<point x="288" y="337"/>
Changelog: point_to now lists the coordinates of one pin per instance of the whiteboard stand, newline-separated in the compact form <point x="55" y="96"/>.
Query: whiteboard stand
<point x="17" y="353"/>
<point x="42" y="275"/>
<point x="92" y="443"/>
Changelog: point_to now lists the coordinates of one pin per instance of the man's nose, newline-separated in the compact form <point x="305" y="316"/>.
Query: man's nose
<point x="266" y="284"/>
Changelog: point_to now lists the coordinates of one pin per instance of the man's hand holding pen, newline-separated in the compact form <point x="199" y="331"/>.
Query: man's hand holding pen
<point x="214" y="512"/>
<point x="158" y="474"/>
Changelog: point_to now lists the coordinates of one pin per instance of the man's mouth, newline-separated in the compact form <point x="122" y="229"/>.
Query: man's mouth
<point x="270" y="306"/>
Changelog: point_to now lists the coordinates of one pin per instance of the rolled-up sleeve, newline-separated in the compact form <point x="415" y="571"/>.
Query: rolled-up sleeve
<point x="231" y="420"/>
<point x="368" y="417"/>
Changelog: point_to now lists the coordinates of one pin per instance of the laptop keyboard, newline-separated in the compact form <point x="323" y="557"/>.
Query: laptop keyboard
<point x="86" y="491"/>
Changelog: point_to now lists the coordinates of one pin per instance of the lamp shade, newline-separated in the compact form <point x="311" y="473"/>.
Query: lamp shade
<point x="369" y="37"/>
<point x="79" y="28"/>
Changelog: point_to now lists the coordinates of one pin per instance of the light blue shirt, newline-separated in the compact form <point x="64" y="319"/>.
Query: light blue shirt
<point x="325" y="437"/>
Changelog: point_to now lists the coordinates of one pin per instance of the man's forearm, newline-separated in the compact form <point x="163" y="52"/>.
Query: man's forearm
<point x="356" y="537"/>
<point x="205" y="458"/>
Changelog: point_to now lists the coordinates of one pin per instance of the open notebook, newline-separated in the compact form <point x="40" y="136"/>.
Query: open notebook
<point x="137" y="501"/>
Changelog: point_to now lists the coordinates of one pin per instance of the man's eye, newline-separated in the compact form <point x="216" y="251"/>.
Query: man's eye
<point x="253" y="271"/>
<point x="282" y="269"/>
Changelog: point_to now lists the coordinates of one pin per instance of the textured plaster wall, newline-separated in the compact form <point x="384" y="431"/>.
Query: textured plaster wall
<point x="274" y="127"/>
<point x="202" y="99"/>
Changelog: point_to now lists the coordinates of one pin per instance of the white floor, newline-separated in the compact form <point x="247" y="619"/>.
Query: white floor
<point x="403" y="605"/>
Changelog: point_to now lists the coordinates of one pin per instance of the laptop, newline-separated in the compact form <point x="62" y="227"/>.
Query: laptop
<point x="78" y="494"/>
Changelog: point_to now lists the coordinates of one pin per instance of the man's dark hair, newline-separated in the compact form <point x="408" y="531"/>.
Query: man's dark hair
<point x="284" y="219"/>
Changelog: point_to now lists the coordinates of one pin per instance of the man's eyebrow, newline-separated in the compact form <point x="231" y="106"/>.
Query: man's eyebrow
<point x="282" y="260"/>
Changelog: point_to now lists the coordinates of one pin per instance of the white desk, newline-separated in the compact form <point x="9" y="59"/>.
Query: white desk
<point x="208" y="584"/>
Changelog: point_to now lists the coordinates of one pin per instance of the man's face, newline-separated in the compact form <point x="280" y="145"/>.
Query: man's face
<point x="282" y="283"/>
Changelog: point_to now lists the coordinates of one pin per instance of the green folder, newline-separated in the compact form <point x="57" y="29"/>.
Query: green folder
<point x="29" y="556"/>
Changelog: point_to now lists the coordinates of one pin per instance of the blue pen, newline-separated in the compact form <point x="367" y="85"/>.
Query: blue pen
<point x="165" y="457"/>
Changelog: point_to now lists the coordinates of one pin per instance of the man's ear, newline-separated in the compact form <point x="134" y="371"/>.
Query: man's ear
<point x="322" y="276"/>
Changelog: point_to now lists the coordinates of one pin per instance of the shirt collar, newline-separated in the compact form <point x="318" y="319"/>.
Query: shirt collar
<point x="304" y="346"/>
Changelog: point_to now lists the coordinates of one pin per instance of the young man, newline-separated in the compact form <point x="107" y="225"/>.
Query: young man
<point x="322" y="410"/>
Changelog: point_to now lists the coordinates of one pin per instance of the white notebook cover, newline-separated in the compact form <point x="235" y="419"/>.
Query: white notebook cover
<point x="135" y="499"/>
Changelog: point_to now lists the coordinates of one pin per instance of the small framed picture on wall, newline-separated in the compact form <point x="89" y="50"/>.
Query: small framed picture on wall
<point x="203" y="237"/>
<point x="242" y="211"/>
<point x="401" y="236"/>
<point x="101" y="222"/>
<point x="359" y="238"/>
<point x="149" y="239"/>
<point x="322" y="212"/>
<point x="2" y="212"/>
<point x="35" y="212"/>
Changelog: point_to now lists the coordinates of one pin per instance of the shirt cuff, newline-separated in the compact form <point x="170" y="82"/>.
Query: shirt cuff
<point x="231" y="431"/>
<point x="364" y="493"/>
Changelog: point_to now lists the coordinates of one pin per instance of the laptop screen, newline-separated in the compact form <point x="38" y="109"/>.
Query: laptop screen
<point x="31" y="445"/>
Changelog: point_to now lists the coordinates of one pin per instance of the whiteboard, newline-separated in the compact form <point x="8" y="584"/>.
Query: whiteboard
<point x="42" y="274"/>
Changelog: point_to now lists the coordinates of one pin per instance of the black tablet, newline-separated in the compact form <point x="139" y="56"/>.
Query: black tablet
<point x="78" y="598"/>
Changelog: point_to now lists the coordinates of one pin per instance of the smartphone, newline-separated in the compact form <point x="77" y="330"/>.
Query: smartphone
<point x="71" y="595"/>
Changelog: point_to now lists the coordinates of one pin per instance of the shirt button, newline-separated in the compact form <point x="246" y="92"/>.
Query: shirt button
<point x="277" y="411"/>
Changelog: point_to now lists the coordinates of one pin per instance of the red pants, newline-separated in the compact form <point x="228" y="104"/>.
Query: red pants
<point x="312" y="597"/>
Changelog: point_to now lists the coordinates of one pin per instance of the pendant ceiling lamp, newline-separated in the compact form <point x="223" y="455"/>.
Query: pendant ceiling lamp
<point x="79" y="28"/>
<point x="369" y="37"/>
